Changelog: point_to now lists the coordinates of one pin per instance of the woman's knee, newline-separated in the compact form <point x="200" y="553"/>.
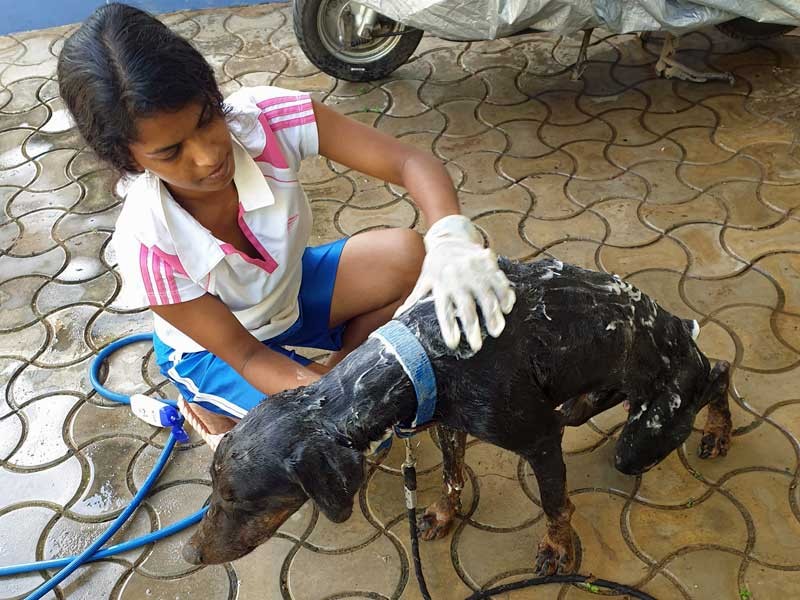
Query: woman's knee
<point x="410" y="252"/>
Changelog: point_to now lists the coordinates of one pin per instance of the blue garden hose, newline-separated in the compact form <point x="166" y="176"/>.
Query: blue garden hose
<point x="93" y="552"/>
<point x="94" y="368"/>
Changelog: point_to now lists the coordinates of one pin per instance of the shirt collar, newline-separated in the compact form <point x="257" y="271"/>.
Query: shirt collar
<point x="254" y="191"/>
<point x="197" y="248"/>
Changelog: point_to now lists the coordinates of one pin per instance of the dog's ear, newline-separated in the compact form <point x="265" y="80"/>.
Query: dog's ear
<point x="330" y="475"/>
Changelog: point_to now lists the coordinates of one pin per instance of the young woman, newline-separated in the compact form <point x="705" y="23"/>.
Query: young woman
<point x="214" y="230"/>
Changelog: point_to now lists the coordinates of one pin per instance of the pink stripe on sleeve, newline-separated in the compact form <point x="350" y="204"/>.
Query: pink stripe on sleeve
<point x="293" y="122"/>
<point x="272" y="153"/>
<point x="264" y="104"/>
<point x="158" y="275"/>
<point x="171" y="259"/>
<point x="288" y="110"/>
<point x="173" y="287"/>
<point x="145" y="270"/>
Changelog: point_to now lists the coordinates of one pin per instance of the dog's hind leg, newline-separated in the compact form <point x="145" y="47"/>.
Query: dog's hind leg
<point x="438" y="518"/>
<point x="556" y="553"/>
<point x="717" y="431"/>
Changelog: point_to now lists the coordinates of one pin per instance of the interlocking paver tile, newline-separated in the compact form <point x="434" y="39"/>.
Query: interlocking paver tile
<point x="52" y="170"/>
<point x="33" y="118"/>
<point x="750" y="245"/>
<point x="708" y="257"/>
<point x="493" y="114"/>
<point x="749" y="287"/>
<point x="691" y="190"/>
<point x="36" y="233"/>
<point x="460" y="118"/>
<point x="663" y="184"/>
<point x="496" y="227"/>
<point x="319" y="82"/>
<point x="432" y="120"/>
<point x="11" y="141"/>
<point x="25" y="201"/>
<point x="785" y="270"/>
<point x="56" y="485"/>
<point x="739" y="128"/>
<point x="451" y="148"/>
<point x="711" y="520"/>
<point x="665" y="253"/>
<point x="13" y="431"/>
<point x="481" y="175"/>
<point x="23" y="95"/>
<point x="623" y="225"/>
<point x="43" y="443"/>
<point x="557" y="161"/>
<point x="627" y="126"/>
<point x="584" y="226"/>
<point x="15" y="296"/>
<point x="626" y="156"/>
<point x="353" y="220"/>
<point x="763" y="582"/>
<point x="433" y="92"/>
<point x="705" y="208"/>
<point x="762" y="350"/>
<point x="20" y="176"/>
<point x="212" y="583"/>
<point x="25" y="343"/>
<point x="604" y="549"/>
<point x="24" y="525"/>
<point x="580" y="253"/>
<point x="523" y="139"/>
<point x="515" y="198"/>
<point x="706" y="573"/>
<point x="765" y="497"/>
<point x="501" y="83"/>
<point x="716" y="342"/>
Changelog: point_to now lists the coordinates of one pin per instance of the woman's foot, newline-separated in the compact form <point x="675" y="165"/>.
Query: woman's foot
<point x="209" y="425"/>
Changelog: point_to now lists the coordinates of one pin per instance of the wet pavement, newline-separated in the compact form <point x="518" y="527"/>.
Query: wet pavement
<point x="691" y="191"/>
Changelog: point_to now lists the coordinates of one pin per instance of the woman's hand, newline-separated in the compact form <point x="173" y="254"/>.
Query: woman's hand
<point x="459" y="272"/>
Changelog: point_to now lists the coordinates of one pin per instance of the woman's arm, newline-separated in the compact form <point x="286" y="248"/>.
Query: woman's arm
<point x="374" y="153"/>
<point x="457" y="270"/>
<point x="211" y="324"/>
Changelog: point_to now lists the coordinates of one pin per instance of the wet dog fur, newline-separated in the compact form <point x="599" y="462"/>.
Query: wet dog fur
<point x="577" y="343"/>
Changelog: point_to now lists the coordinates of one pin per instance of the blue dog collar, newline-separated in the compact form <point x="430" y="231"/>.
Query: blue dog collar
<point x="409" y="352"/>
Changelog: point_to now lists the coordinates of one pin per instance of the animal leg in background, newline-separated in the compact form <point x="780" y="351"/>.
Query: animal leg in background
<point x="556" y="553"/>
<point x="438" y="518"/>
<point x="717" y="431"/>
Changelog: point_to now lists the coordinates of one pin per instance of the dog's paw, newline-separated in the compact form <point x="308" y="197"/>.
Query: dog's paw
<point x="714" y="443"/>
<point x="555" y="558"/>
<point x="436" y="521"/>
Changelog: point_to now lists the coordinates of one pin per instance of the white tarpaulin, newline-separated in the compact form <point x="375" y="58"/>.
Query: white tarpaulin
<point x="492" y="19"/>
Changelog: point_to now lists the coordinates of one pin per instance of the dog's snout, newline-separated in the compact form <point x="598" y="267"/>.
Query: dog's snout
<point x="192" y="554"/>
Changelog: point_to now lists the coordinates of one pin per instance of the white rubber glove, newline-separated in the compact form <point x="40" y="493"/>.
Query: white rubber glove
<point x="459" y="271"/>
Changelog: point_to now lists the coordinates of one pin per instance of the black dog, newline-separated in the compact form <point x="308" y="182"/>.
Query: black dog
<point x="577" y="343"/>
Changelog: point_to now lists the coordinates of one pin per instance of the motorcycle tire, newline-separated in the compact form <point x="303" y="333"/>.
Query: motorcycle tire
<point x="745" y="29"/>
<point x="372" y="60"/>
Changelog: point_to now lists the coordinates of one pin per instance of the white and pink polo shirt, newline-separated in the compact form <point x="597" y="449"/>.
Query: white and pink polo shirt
<point x="165" y="256"/>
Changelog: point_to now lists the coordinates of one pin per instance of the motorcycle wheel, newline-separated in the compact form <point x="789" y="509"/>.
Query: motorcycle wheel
<point x="745" y="29"/>
<point x="316" y="28"/>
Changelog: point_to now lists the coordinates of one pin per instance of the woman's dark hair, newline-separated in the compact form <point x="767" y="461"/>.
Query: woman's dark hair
<point x="123" y="64"/>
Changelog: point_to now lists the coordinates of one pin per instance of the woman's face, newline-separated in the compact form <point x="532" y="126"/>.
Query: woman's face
<point x="189" y="149"/>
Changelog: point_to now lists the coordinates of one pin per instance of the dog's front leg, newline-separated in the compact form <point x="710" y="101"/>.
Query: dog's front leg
<point x="719" y="425"/>
<point x="438" y="518"/>
<point x="556" y="553"/>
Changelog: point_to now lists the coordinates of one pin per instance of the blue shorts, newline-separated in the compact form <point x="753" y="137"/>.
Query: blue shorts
<point x="209" y="381"/>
